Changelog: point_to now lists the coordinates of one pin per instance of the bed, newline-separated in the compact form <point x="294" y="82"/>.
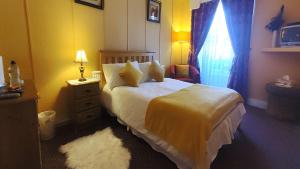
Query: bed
<point x="129" y="105"/>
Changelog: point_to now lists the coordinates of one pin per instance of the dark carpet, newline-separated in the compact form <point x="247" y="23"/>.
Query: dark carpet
<point x="261" y="143"/>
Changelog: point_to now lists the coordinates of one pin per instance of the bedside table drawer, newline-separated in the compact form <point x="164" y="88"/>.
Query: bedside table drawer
<point x="88" y="103"/>
<point x="87" y="115"/>
<point x="87" y="90"/>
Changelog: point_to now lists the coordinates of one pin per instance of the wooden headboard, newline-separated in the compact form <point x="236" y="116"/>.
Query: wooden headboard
<point x="109" y="56"/>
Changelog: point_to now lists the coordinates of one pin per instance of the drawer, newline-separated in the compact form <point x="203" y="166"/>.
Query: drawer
<point x="87" y="103"/>
<point x="87" y="90"/>
<point x="86" y="116"/>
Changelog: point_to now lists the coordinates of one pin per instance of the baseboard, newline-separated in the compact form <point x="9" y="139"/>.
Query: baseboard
<point x="257" y="103"/>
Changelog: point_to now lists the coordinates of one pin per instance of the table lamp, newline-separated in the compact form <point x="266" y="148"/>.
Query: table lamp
<point x="81" y="58"/>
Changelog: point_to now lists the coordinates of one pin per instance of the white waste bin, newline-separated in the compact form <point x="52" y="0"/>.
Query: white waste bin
<point x="47" y="124"/>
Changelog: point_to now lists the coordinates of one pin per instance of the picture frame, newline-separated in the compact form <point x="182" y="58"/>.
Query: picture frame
<point x="99" y="4"/>
<point x="154" y="11"/>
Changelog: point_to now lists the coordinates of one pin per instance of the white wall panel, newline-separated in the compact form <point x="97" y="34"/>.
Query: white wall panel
<point x="166" y="32"/>
<point x="153" y="37"/>
<point x="136" y="24"/>
<point x="115" y="25"/>
<point x="126" y="28"/>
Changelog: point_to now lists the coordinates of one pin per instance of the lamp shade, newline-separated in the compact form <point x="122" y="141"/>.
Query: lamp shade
<point x="81" y="57"/>
<point x="181" y="36"/>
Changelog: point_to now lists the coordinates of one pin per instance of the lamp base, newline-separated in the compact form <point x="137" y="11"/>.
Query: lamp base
<point x="82" y="79"/>
<point x="81" y="69"/>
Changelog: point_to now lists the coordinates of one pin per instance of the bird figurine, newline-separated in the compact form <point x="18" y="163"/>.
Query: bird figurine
<point x="277" y="21"/>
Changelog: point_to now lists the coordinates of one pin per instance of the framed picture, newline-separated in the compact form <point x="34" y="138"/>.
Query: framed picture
<point x="93" y="3"/>
<point x="153" y="11"/>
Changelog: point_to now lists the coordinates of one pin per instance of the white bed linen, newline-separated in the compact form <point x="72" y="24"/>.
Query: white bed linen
<point x="130" y="104"/>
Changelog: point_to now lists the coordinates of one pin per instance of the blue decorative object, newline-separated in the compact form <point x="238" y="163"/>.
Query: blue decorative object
<point x="277" y="21"/>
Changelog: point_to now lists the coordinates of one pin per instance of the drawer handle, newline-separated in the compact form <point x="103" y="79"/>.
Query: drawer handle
<point x="89" y="116"/>
<point x="87" y="91"/>
<point x="88" y="104"/>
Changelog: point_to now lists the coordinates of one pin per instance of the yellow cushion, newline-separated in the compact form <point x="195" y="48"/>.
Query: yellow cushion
<point x="182" y="71"/>
<point x="156" y="71"/>
<point x="131" y="75"/>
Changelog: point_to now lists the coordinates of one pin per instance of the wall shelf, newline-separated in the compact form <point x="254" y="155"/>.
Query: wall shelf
<point x="282" y="50"/>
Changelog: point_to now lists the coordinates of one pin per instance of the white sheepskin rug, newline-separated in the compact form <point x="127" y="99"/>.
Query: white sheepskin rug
<point x="101" y="150"/>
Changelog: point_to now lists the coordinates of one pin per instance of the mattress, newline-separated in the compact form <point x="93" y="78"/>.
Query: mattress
<point x="130" y="104"/>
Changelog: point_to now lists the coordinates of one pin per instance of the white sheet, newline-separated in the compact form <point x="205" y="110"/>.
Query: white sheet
<point x="130" y="104"/>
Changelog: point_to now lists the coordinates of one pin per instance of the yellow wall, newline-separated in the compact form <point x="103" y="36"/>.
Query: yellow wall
<point x="58" y="28"/>
<point x="42" y="37"/>
<point x="14" y="44"/>
<point x="181" y="22"/>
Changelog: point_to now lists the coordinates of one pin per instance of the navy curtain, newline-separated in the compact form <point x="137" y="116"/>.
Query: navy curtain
<point x="201" y="21"/>
<point x="238" y="14"/>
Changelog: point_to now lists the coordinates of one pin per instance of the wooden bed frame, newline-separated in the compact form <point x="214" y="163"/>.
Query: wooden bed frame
<point x="110" y="56"/>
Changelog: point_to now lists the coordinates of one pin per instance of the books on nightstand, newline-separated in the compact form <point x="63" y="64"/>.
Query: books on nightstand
<point x="7" y="93"/>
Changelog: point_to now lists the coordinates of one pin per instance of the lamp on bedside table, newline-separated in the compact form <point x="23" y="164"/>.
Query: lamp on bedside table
<point x="81" y="58"/>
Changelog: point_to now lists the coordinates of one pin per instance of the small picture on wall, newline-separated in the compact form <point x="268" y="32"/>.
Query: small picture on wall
<point x="93" y="3"/>
<point x="153" y="11"/>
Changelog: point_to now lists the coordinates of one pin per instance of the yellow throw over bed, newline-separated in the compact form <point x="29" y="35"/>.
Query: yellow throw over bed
<point x="186" y="119"/>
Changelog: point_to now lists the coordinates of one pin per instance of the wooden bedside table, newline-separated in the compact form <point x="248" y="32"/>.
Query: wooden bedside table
<point x="283" y="103"/>
<point x="84" y="101"/>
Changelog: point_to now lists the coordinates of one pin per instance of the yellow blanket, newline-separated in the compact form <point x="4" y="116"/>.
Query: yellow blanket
<point x="185" y="119"/>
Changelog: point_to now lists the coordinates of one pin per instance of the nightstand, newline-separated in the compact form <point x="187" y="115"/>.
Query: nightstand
<point x="283" y="102"/>
<point x="84" y="100"/>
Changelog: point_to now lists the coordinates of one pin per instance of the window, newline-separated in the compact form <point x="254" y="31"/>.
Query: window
<point x="216" y="55"/>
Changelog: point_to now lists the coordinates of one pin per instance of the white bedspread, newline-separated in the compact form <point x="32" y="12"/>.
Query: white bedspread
<point x="130" y="104"/>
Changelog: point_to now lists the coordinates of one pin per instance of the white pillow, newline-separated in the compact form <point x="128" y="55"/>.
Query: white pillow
<point x="108" y="69"/>
<point x="145" y="69"/>
<point x="111" y="73"/>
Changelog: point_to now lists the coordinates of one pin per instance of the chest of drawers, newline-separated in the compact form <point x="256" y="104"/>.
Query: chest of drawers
<point x="84" y="100"/>
<point x="19" y="140"/>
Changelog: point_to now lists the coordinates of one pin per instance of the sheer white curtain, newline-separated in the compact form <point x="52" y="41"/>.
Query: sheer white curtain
<point x="215" y="57"/>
